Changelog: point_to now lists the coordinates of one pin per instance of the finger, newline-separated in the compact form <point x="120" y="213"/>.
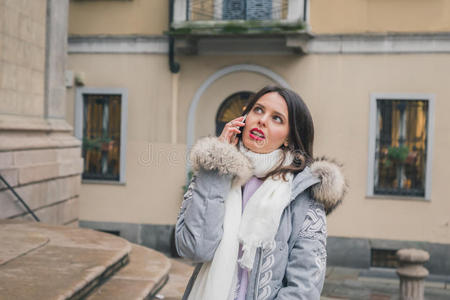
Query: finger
<point x="236" y="121"/>
<point x="234" y="130"/>
<point x="238" y="124"/>
<point x="227" y="132"/>
<point x="231" y="124"/>
<point x="239" y="119"/>
<point x="232" y="134"/>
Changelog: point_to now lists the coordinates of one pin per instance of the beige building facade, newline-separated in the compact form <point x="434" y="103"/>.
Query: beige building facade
<point x="373" y="73"/>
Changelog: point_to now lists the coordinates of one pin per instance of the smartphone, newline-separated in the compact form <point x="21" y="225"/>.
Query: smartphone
<point x="245" y="117"/>
<point x="238" y="136"/>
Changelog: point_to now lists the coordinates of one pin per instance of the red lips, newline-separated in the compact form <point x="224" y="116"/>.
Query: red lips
<point x="257" y="134"/>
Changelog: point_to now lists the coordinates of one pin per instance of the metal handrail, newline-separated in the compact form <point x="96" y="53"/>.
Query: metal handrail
<point x="20" y="198"/>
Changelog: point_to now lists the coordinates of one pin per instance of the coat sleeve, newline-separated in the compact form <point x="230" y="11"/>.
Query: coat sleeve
<point x="305" y="272"/>
<point x="199" y="227"/>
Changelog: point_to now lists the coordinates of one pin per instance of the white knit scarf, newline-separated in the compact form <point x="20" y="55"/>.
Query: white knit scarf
<point x="255" y="227"/>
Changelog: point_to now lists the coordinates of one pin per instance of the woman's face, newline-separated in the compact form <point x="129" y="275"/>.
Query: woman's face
<point x="267" y="124"/>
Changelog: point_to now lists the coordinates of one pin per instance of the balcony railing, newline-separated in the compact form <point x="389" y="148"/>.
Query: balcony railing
<point x="238" y="16"/>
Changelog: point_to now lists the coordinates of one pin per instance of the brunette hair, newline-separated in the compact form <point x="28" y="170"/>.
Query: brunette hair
<point x="301" y="131"/>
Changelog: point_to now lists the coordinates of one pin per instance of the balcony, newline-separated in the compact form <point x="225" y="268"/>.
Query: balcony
<point x="239" y="26"/>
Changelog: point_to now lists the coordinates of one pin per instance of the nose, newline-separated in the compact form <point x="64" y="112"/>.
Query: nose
<point x="263" y="120"/>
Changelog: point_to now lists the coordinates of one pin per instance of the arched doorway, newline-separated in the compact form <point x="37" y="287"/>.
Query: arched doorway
<point x="231" y="108"/>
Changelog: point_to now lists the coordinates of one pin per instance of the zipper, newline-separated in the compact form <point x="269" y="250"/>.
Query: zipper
<point x="258" y="274"/>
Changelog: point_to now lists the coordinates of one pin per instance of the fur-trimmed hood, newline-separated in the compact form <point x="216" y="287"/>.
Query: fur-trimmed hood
<point x="324" y="176"/>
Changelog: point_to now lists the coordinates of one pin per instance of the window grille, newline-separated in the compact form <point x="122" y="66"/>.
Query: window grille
<point x="259" y="9"/>
<point x="101" y="136"/>
<point x="382" y="258"/>
<point x="234" y="9"/>
<point x="201" y="10"/>
<point x="401" y="147"/>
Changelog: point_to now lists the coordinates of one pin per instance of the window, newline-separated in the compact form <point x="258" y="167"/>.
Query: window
<point x="101" y="126"/>
<point x="400" y="160"/>
<point x="234" y="9"/>
<point x="383" y="258"/>
<point x="249" y="9"/>
<point x="231" y="108"/>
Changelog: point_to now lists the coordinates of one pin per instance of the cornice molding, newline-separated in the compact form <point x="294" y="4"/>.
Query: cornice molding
<point x="119" y="44"/>
<point x="390" y="43"/>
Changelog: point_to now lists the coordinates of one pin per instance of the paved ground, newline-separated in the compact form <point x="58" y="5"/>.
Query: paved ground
<point x="340" y="283"/>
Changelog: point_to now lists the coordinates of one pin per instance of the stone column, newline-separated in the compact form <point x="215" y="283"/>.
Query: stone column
<point x="56" y="52"/>
<point x="412" y="273"/>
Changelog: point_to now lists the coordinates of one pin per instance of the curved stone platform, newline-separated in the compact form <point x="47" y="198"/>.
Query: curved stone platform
<point x="39" y="261"/>
<point x="17" y="243"/>
<point x="142" y="278"/>
<point x="180" y="273"/>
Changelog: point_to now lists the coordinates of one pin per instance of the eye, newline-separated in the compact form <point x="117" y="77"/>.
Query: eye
<point x="257" y="109"/>
<point x="278" y="119"/>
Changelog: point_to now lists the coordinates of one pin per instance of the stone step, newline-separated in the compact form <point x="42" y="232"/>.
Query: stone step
<point x="179" y="274"/>
<point x="39" y="261"/>
<point x="146" y="273"/>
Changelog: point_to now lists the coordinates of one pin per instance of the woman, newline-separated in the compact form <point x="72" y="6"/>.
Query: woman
<point x="254" y="214"/>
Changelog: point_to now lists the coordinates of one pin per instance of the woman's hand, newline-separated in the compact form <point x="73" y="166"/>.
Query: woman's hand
<point x="230" y="131"/>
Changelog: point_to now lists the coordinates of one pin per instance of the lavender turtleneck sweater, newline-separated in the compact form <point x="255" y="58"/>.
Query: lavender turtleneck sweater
<point x="249" y="188"/>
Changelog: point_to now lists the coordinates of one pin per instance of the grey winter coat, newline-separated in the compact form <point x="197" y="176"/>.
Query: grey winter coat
<point x="295" y="267"/>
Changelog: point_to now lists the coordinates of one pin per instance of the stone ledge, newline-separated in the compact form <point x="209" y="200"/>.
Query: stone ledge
<point x="20" y="123"/>
<point x="179" y="276"/>
<point x="73" y="262"/>
<point x="17" y="243"/>
<point x="23" y="140"/>
<point x="69" y="237"/>
<point x="156" y="236"/>
<point x="146" y="273"/>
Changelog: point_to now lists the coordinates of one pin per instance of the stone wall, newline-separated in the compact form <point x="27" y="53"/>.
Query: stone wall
<point x="39" y="156"/>
<point x="48" y="180"/>
<point x="22" y="61"/>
